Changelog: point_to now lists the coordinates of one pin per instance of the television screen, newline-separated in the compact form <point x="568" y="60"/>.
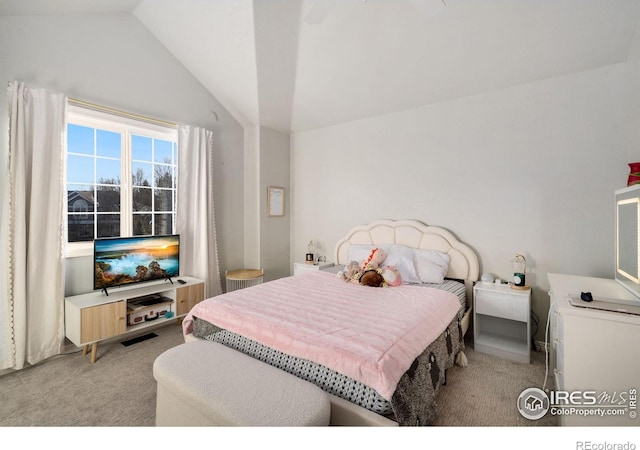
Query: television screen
<point x="119" y="261"/>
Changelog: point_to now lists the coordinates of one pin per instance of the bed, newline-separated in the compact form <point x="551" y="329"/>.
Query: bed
<point x="380" y="353"/>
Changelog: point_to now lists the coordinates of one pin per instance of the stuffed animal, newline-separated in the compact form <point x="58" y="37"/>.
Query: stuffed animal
<point x="370" y="272"/>
<point x="391" y="276"/>
<point x="372" y="278"/>
<point x="375" y="259"/>
<point x="351" y="272"/>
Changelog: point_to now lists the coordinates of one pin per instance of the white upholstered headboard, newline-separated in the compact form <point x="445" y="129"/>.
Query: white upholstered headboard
<point x="412" y="233"/>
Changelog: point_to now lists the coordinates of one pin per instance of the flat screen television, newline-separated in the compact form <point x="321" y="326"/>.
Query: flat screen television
<point x="627" y="270"/>
<point x="127" y="260"/>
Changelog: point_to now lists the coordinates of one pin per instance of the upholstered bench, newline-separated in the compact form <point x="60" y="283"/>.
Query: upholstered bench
<point x="203" y="383"/>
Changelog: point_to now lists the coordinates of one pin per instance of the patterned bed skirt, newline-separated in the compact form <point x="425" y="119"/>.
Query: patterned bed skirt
<point x="413" y="402"/>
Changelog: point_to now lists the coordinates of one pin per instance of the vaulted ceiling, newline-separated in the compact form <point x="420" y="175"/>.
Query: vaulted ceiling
<point x="295" y="65"/>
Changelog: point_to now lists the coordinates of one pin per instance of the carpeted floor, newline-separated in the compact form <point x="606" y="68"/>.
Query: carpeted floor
<point x="485" y="392"/>
<point x="119" y="389"/>
<point x="66" y="390"/>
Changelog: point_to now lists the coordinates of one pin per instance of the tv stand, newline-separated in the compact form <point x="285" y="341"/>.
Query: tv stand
<point x="93" y="317"/>
<point x="106" y="292"/>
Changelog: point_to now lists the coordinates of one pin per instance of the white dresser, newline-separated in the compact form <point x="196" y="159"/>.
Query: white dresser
<point x="594" y="351"/>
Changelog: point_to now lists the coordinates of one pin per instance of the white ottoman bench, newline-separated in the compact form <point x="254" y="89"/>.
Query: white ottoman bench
<point x="203" y="383"/>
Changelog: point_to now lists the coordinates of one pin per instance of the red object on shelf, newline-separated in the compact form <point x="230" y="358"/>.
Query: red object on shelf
<point x="633" y="180"/>
<point x="634" y="173"/>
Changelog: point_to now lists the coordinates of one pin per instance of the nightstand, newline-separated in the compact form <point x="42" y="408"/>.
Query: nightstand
<point x="299" y="268"/>
<point x="243" y="278"/>
<point x="501" y="321"/>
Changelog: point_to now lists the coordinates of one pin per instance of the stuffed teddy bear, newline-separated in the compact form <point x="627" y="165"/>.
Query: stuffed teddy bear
<point x="351" y="272"/>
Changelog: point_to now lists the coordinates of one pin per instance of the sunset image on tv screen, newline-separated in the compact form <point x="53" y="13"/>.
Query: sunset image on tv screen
<point x="131" y="260"/>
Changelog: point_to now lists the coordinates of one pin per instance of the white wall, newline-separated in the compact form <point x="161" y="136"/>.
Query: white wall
<point x="530" y="169"/>
<point x="251" y="204"/>
<point x="275" y="234"/>
<point x="633" y="85"/>
<point x="266" y="239"/>
<point x="114" y="61"/>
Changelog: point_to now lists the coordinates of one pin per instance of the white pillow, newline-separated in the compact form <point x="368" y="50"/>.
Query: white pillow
<point x="359" y="253"/>
<point x="401" y="258"/>
<point x="431" y="265"/>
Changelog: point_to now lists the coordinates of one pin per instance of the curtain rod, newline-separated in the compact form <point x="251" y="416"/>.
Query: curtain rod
<point x="97" y="107"/>
<point x="119" y="112"/>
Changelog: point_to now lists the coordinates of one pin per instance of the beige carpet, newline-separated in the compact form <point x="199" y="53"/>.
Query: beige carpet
<point x="119" y="389"/>
<point x="485" y="392"/>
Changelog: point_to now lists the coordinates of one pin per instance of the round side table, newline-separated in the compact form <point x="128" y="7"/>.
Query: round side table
<point x="243" y="278"/>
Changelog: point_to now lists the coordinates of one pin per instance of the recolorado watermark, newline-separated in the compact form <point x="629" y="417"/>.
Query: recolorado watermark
<point x="588" y="445"/>
<point x="534" y="403"/>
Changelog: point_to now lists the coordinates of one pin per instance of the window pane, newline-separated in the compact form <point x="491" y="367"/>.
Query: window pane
<point x="163" y="224"/>
<point x="80" y="198"/>
<point x="142" y="224"/>
<point x="141" y="199"/>
<point x="175" y="201"/>
<point x="108" y="198"/>
<point x="162" y="175"/>
<point x="79" y="139"/>
<point x="175" y="177"/>
<point x="175" y="152"/>
<point x="141" y="174"/>
<point x="141" y="148"/>
<point x="80" y="169"/>
<point x="80" y="227"/>
<point x="108" y="225"/>
<point x="108" y="144"/>
<point x="163" y="200"/>
<point x="162" y="152"/>
<point x="96" y="183"/>
<point x="107" y="171"/>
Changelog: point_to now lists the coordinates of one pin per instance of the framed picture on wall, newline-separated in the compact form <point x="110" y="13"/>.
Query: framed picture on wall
<point x="275" y="201"/>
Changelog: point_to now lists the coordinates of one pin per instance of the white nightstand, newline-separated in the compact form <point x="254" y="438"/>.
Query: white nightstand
<point x="501" y="321"/>
<point x="299" y="268"/>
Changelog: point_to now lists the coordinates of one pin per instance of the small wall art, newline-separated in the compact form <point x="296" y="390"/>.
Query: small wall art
<point x="275" y="201"/>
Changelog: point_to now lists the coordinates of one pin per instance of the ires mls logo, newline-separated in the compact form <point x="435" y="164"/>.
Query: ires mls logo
<point x="534" y="403"/>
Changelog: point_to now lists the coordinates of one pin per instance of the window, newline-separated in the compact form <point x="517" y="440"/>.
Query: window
<point x="121" y="178"/>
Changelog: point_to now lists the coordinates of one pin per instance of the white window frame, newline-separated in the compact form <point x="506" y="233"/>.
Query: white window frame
<point x="126" y="127"/>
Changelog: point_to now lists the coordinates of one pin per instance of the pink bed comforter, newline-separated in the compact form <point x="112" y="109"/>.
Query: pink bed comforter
<point x="372" y="335"/>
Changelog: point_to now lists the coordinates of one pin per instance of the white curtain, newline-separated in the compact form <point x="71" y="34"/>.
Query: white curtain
<point x="32" y="314"/>
<point x="195" y="215"/>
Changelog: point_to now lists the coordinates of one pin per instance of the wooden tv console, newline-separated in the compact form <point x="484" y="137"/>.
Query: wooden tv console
<point x="93" y="317"/>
